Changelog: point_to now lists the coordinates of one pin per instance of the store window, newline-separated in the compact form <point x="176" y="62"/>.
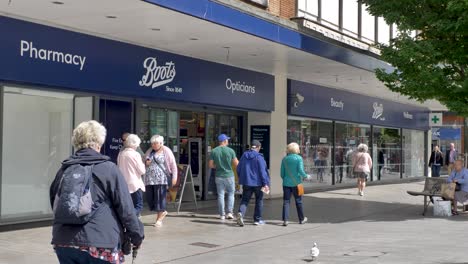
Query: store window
<point x="350" y="17"/>
<point x="315" y="139"/>
<point x="330" y="13"/>
<point x="308" y="9"/>
<point x="413" y="153"/>
<point x="153" y="122"/>
<point x="386" y="153"/>
<point x="37" y="128"/>
<point x="348" y="137"/>
<point x="384" y="31"/>
<point x="368" y="25"/>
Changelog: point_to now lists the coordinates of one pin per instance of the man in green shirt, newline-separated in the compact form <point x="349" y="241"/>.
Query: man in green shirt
<point x="223" y="158"/>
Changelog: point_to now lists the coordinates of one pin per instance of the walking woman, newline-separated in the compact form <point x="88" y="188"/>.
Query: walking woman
<point x="292" y="173"/>
<point x="132" y="167"/>
<point x="362" y="164"/>
<point x="436" y="161"/>
<point x="161" y="171"/>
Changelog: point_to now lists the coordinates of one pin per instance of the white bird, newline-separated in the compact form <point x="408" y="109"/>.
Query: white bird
<point x="314" y="252"/>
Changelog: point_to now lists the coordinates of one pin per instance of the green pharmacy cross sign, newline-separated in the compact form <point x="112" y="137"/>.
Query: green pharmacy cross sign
<point x="435" y="119"/>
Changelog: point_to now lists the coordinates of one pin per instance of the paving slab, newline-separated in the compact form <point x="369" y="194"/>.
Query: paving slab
<point x="384" y="226"/>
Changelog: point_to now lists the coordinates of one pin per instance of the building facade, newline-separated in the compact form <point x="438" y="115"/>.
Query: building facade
<point x="189" y="71"/>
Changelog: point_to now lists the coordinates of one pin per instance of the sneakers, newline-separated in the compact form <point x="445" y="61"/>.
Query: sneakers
<point x="361" y="193"/>
<point x="259" y="223"/>
<point x="222" y="217"/>
<point x="285" y="223"/>
<point x="303" y="221"/>
<point x="240" y="219"/>
<point x="230" y="216"/>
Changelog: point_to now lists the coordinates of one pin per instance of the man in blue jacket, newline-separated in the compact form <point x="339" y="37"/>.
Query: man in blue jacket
<point x="254" y="178"/>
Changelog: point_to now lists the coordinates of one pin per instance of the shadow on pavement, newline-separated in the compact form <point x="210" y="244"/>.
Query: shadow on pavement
<point x="330" y="210"/>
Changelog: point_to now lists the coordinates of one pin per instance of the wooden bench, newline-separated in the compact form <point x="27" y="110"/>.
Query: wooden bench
<point x="432" y="188"/>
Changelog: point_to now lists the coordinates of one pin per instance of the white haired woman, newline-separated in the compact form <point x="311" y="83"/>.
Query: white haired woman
<point x="362" y="164"/>
<point x="99" y="239"/>
<point x="161" y="171"/>
<point x="292" y="173"/>
<point x="132" y="167"/>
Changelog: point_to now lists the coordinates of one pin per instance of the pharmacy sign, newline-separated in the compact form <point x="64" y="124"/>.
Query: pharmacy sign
<point x="435" y="119"/>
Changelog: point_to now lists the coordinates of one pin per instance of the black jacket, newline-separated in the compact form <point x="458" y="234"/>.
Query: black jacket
<point x="436" y="158"/>
<point x="105" y="229"/>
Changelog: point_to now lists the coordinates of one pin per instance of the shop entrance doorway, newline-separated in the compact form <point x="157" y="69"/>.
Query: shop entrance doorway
<point x="191" y="135"/>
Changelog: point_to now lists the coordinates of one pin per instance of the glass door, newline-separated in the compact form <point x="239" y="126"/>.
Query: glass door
<point x="347" y="137"/>
<point x="153" y="121"/>
<point x="386" y="153"/>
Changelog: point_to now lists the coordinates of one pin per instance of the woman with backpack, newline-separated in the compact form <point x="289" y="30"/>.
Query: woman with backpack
<point x="90" y="229"/>
<point x="160" y="173"/>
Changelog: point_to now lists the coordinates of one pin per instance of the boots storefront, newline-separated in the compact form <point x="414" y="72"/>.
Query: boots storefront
<point x="51" y="79"/>
<point x="329" y="124"/>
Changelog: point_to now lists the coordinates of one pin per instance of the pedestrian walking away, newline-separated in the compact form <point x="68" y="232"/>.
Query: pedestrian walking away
<point x="91" y="229"/>
<point x="362" y="164"/>
<point x="254" y="178"/>
<point x="132" y="167"/>
<point x="292" y="173"/>
<point x="161" y="172"/>
<point x="223" y="158"/>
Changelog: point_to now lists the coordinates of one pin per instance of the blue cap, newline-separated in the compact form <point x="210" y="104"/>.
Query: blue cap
<point x="223" y="137"/>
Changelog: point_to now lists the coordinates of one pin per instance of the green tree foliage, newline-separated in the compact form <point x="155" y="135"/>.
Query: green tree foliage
<point x="432" y="65"/>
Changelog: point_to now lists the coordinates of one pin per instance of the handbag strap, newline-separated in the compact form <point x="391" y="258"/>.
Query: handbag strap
<point x="355" y="164"/>
<point x="161" y="167"/>
<point x="288" y="172"/>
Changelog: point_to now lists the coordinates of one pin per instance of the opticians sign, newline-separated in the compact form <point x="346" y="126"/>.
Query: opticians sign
<point x="42" y="55"/>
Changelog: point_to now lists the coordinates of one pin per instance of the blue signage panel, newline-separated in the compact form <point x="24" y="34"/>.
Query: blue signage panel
<point x="446" y="133"/>
<point x="310" y="100"/>
<point x="43" y="55"/>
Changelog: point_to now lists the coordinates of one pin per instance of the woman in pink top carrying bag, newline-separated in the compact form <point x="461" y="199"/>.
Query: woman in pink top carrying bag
<point x="132" y="167"/>
<point x="362" y="164"/>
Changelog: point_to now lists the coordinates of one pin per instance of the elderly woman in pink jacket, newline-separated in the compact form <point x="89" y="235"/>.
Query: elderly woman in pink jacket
<point x="160" y="173"/>
<point x="132" y="167"/>
<point x="362" y="164"/>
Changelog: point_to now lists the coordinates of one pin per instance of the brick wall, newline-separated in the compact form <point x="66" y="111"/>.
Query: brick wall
<point x="282" y="8"/>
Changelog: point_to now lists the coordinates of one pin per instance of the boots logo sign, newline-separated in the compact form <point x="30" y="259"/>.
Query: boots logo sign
<point x="378" y="111"/>
<point x="157" y="75"/>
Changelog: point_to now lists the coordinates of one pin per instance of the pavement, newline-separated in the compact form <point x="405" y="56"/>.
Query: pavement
<point x="384" y="226"/>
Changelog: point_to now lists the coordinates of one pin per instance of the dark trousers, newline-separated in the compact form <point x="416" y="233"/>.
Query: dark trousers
<point x="436" y="170"/>
<point x="247" y="193"/>
<point x="137" y="198"/>
<point x="287" y="193"/>
<point x="76" y="256"/>
<point x="156" y="196"/>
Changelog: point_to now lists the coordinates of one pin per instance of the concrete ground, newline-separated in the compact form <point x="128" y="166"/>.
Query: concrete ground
<point x="384" y="226"/>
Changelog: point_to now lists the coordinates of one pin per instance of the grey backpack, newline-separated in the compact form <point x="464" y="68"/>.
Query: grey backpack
<point x="73" y="202"/>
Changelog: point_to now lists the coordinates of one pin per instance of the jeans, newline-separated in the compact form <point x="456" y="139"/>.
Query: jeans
<point x="436" y="170"/>
<point x="76" y="256"/>
<point x="225" y="185"/>
<point x="137" y="198"/>
<point x="287" y="192"/>
<point x="247" y="193"/>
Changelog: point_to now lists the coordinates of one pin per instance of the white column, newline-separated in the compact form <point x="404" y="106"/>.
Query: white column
<point x="278" y="127"/>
